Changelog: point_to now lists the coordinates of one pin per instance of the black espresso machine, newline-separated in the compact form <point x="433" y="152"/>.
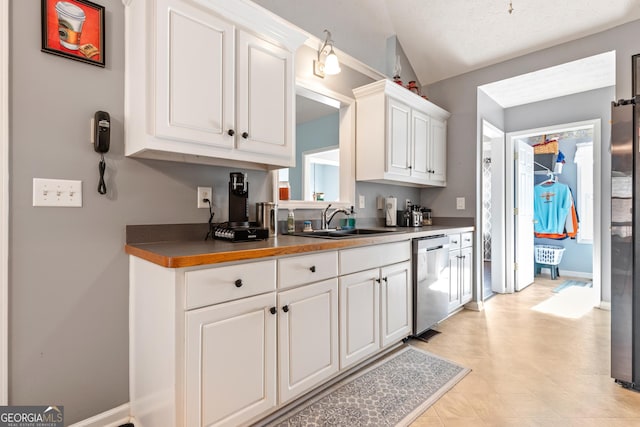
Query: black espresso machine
<point x="238" y="228"/>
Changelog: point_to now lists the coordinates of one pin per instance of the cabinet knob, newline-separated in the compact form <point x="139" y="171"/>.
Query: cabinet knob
<point x="285" y="308"/>
<point x="378" y="280"/>
<point x="245" y="135"/>
<point x="385" y="279"/>
<point x="272" y="310"/>
<point x="238" y="283"/>
<point x="231" y="132"/>
<point x="410" y="167"/>
<point x="313" y="268"/>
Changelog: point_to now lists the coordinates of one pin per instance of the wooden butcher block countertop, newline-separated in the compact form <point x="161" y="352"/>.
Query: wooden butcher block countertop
<point x="190" y="252"/>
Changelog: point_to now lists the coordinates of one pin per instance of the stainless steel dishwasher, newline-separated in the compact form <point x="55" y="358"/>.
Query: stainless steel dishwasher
<point x="430" y="281"/>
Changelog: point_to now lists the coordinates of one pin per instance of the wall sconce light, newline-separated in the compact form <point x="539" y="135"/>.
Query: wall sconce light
<point x="330" y="65"/>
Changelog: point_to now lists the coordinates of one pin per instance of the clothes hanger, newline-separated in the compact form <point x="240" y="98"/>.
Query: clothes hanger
<point x="552" y="178"/>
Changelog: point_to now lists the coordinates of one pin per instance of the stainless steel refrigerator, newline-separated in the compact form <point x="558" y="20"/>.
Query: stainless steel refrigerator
<point x="625" y="243"/>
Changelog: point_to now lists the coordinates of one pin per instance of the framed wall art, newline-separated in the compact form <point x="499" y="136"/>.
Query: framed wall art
<point x="74" y="29"/>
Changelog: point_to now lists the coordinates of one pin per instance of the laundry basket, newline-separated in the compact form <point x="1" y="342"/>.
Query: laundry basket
<point x="548" y="254"/>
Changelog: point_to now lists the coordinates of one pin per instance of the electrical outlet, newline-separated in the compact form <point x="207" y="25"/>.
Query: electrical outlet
<point x="204" y="193"/>
<point x="57" y="192"/>
<point x="460" y="202"/>
<point x="360" y="201"/>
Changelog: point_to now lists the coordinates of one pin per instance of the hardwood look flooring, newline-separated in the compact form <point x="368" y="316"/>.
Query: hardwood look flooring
<point x="537" y="359"/>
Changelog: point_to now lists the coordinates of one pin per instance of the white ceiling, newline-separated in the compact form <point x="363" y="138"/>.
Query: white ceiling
<point x="445" y="38"/>
<point x="589" y="73"/>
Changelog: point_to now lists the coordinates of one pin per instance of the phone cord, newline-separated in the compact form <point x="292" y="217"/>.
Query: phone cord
<point x="102" y="187"/>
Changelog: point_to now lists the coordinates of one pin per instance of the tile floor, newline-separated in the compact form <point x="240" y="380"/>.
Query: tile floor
<point x="538" y="359"/>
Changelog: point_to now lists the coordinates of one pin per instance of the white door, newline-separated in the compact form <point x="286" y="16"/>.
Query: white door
<point x="395" y="302"/>
<point x="523" y="215"/>
<point x="230" y="380"/>
<point x="359" y="316"/>
<point x="265" y="98"/>
<point x="438" y="152"/>
<point x="398" y="138"/>
<point x="421" y="135"/>
<point x="307" y="337"/>
<point x="194" y="75"/>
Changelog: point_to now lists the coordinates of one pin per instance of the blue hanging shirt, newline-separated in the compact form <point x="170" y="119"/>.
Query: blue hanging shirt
<point x="550" y="207"/>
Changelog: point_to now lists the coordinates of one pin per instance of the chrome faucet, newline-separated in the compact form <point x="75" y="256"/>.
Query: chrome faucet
<point x="324" y="221"/>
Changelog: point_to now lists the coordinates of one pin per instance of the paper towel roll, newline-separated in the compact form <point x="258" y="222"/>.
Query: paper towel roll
<point x="390" y="214"/>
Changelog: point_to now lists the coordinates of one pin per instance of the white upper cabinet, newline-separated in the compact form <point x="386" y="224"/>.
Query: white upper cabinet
<point x="209" y="82"/>
<point x="265" y="104"/>
<point x="400" y="137"/>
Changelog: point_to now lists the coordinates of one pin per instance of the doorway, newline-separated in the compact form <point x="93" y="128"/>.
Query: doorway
<point x="492" y="230"/>
<point x="581" y="171"/>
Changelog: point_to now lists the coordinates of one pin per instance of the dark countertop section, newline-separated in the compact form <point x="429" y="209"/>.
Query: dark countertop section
<point x="168" y="250"/>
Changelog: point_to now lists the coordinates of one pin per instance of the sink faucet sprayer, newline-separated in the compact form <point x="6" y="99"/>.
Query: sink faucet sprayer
<point x="324" y="220"/>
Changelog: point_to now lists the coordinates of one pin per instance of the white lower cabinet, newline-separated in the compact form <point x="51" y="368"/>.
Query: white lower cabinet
<point x="461" y="270"/>
<point x="395" y="303"/>
<point x="307" y="337"/>
<point x="230" y="361"/>
<point x="375" y="304"/>
<point x="359" y="316"/>
<point x="227" y="345"/>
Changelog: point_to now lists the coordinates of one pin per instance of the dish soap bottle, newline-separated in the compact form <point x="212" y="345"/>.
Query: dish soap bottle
<point x="291" y="223"/>
<point x="352" y="218"/>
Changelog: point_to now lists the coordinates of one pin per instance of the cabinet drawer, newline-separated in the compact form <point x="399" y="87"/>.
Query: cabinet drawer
<point x="215" y="285"/>
<point x="359" y="259"/>
<point x="310" y="268"/>
<point x="455" y="241"/>
<point x="466" y="239"/>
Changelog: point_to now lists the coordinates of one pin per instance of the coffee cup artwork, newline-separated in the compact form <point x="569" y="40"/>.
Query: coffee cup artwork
<point x="74" y="29"/>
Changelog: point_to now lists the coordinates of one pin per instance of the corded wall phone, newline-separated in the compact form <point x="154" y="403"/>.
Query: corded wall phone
<point x="101" y="131"/>
<point x="100" y="136"/>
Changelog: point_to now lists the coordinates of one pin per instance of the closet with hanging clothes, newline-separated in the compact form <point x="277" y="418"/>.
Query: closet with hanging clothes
<point x="556" y="208"/>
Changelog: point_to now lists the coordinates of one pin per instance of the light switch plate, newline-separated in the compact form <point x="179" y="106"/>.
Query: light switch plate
<point x="57" y="192"/>
<point x="360" y="201"/>
<point x="460" y="202"/>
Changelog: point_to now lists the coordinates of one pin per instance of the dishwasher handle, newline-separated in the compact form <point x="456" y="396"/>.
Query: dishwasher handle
<point x="435" y="248"/>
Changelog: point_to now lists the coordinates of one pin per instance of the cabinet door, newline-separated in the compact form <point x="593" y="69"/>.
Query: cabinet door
<point x="265" y="97"/>
<point x="398" y="138"/>
<point x="454" y="280"/>
<point x="307" y="337"/>
<point x="194" y="83"/>
<point x="396" y="302"/>
<point x="466" y="271"/>
<point x="230" y="362"/>
<point x="359" y="316"/>
<point x="421" y="136"/>
<point x="438" y="151"/>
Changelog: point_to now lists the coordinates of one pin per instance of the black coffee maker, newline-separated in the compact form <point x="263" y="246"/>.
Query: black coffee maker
<point x="238" y="200"/>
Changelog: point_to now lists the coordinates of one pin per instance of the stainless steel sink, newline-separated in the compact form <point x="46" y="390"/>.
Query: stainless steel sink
<point x="343" y="234"/>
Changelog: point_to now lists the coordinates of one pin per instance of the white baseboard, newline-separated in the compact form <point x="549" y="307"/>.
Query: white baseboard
<point x="112" y="418"/>
<point x="567" y="273"/>
<point x="605" y="305"/>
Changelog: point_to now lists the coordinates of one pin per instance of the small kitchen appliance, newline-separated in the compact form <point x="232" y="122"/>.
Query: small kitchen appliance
<point x="238" y="199"/>
<point x="238" y="228"/>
